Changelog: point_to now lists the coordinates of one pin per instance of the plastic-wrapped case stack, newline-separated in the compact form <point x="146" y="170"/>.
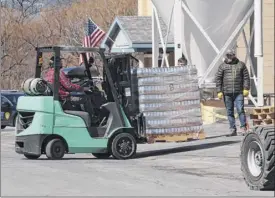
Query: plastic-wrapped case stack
<point x="169" y="98"/>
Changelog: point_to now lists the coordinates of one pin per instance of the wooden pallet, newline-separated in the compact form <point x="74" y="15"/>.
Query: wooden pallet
<point x="254" y="117"/>
<point x="257" y="111"/>
<point x="271" y="115"/>
<point x="263" y="116"/>
<point x="183" y="137"/>
<point x="268" y="121"/>
<point x="263" y="110"/>
<point x="257" y="122"/>
<point x="263" y="122"/>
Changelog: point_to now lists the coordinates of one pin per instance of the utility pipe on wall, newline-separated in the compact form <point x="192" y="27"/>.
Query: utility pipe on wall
<point x="258" y="50"/>
<point x="178" y="30"/>
<point x="258" y="21"/>
<point x="155" y="40"/>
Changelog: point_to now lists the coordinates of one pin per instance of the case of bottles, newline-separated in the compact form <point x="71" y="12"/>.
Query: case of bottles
<point x="169" y="99"/>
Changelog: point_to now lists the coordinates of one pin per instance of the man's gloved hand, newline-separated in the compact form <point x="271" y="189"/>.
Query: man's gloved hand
<point x="220" y="95"/>
<point x="245" y="93"/>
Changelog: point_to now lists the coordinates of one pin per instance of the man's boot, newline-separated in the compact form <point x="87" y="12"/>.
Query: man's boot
<point x="233" y="133"/>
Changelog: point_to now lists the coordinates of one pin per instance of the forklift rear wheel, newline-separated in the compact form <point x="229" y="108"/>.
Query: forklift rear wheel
<point x="257" y="158"/>
<point x="33" y="157"/>
<point x="124" y="146"/>
<point x="55" y="149"/>
<point x="102" y="155"/>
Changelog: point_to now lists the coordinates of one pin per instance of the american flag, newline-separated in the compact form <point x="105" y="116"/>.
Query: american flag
<point x="93" y="36"/>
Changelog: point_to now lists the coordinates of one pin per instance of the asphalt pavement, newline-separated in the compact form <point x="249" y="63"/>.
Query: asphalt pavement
<point x="208" y="167"/>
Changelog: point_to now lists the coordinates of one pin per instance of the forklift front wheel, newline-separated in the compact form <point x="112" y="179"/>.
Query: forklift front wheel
<point x="124" y="146"/>
<point x="55" y="149"/>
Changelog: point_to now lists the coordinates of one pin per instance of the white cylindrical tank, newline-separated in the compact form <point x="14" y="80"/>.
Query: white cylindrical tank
<point x="218" y="18"/>
<point x="34" y="86"/>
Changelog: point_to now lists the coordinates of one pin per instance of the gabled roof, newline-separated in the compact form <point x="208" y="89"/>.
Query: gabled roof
<point x="137" y="30"/>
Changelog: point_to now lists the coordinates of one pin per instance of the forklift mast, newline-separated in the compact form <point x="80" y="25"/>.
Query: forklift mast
<point x="121" y="68"/>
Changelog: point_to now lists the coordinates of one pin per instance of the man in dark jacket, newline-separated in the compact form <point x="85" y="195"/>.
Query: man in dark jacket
<point x="233" y="84"/>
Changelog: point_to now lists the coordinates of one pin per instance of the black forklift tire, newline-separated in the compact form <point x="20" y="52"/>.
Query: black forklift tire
<point x="32" y="157"/>
<point x="258" y="159"/>
<point x="3" y="126"/>
<point x="55" y="149"/>
<point x="121" y="143"/>
<point x="102" y="155"/>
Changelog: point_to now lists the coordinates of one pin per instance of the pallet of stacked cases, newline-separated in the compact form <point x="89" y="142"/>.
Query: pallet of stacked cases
<point x="263" y="116"/>
<point x="169" y="99"/>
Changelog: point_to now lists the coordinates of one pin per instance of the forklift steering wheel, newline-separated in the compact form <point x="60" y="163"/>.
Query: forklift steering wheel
<point x="85" y="83"/>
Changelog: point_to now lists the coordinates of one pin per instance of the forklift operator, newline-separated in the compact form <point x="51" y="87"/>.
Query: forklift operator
<point x="67" y="87"/>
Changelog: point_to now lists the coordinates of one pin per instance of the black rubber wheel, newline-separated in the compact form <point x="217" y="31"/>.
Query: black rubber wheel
<point x="124" y="146"/>
<point x="55" y="149"/>
<point x="257" y="158"/>
<point x="30" y="156"/>
<point x="3" y="127"/>
<point x="102" y="155"/>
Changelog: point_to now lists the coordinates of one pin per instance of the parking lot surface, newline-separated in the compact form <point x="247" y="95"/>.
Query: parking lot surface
<point x="208" y="167"/>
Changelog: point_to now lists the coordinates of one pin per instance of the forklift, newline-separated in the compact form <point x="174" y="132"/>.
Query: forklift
<point x="44" y="127"/>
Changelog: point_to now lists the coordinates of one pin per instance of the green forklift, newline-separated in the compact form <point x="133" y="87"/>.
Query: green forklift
<point x="43" y="126"/>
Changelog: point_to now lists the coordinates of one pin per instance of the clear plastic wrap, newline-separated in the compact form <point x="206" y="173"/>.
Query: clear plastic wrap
<point x="171" y="106"/>
<point x="194" y="112"/>
<point x="175" y="131"/>
<point x="174" y="97"/>
<point x="168" y="89"/>
<point x="166" y="71"/>
<point x="164" y="80"/>
<point x="169" y="99"/>
<point x="170" y="123"/>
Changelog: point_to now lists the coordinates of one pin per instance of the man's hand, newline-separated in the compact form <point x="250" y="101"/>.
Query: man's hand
<point x="220" y="95"/>
<point x="245" y="93"/>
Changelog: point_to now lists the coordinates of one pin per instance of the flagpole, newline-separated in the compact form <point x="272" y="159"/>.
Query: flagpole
<point x="102" y="30"/>
<point x="106" y="33"/>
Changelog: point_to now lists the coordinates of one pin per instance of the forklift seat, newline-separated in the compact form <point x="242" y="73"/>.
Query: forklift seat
<point x="84" y="115"/>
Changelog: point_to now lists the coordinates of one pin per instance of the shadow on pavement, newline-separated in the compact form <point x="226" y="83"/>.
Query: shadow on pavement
<point x="183" y="149"/>
<point x="216" y="136"/>
<point x="70" y="158"/>
<point x="145" y="154"/>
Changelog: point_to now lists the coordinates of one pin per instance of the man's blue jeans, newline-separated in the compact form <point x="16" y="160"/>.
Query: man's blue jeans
<point x="238" y="100"/>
